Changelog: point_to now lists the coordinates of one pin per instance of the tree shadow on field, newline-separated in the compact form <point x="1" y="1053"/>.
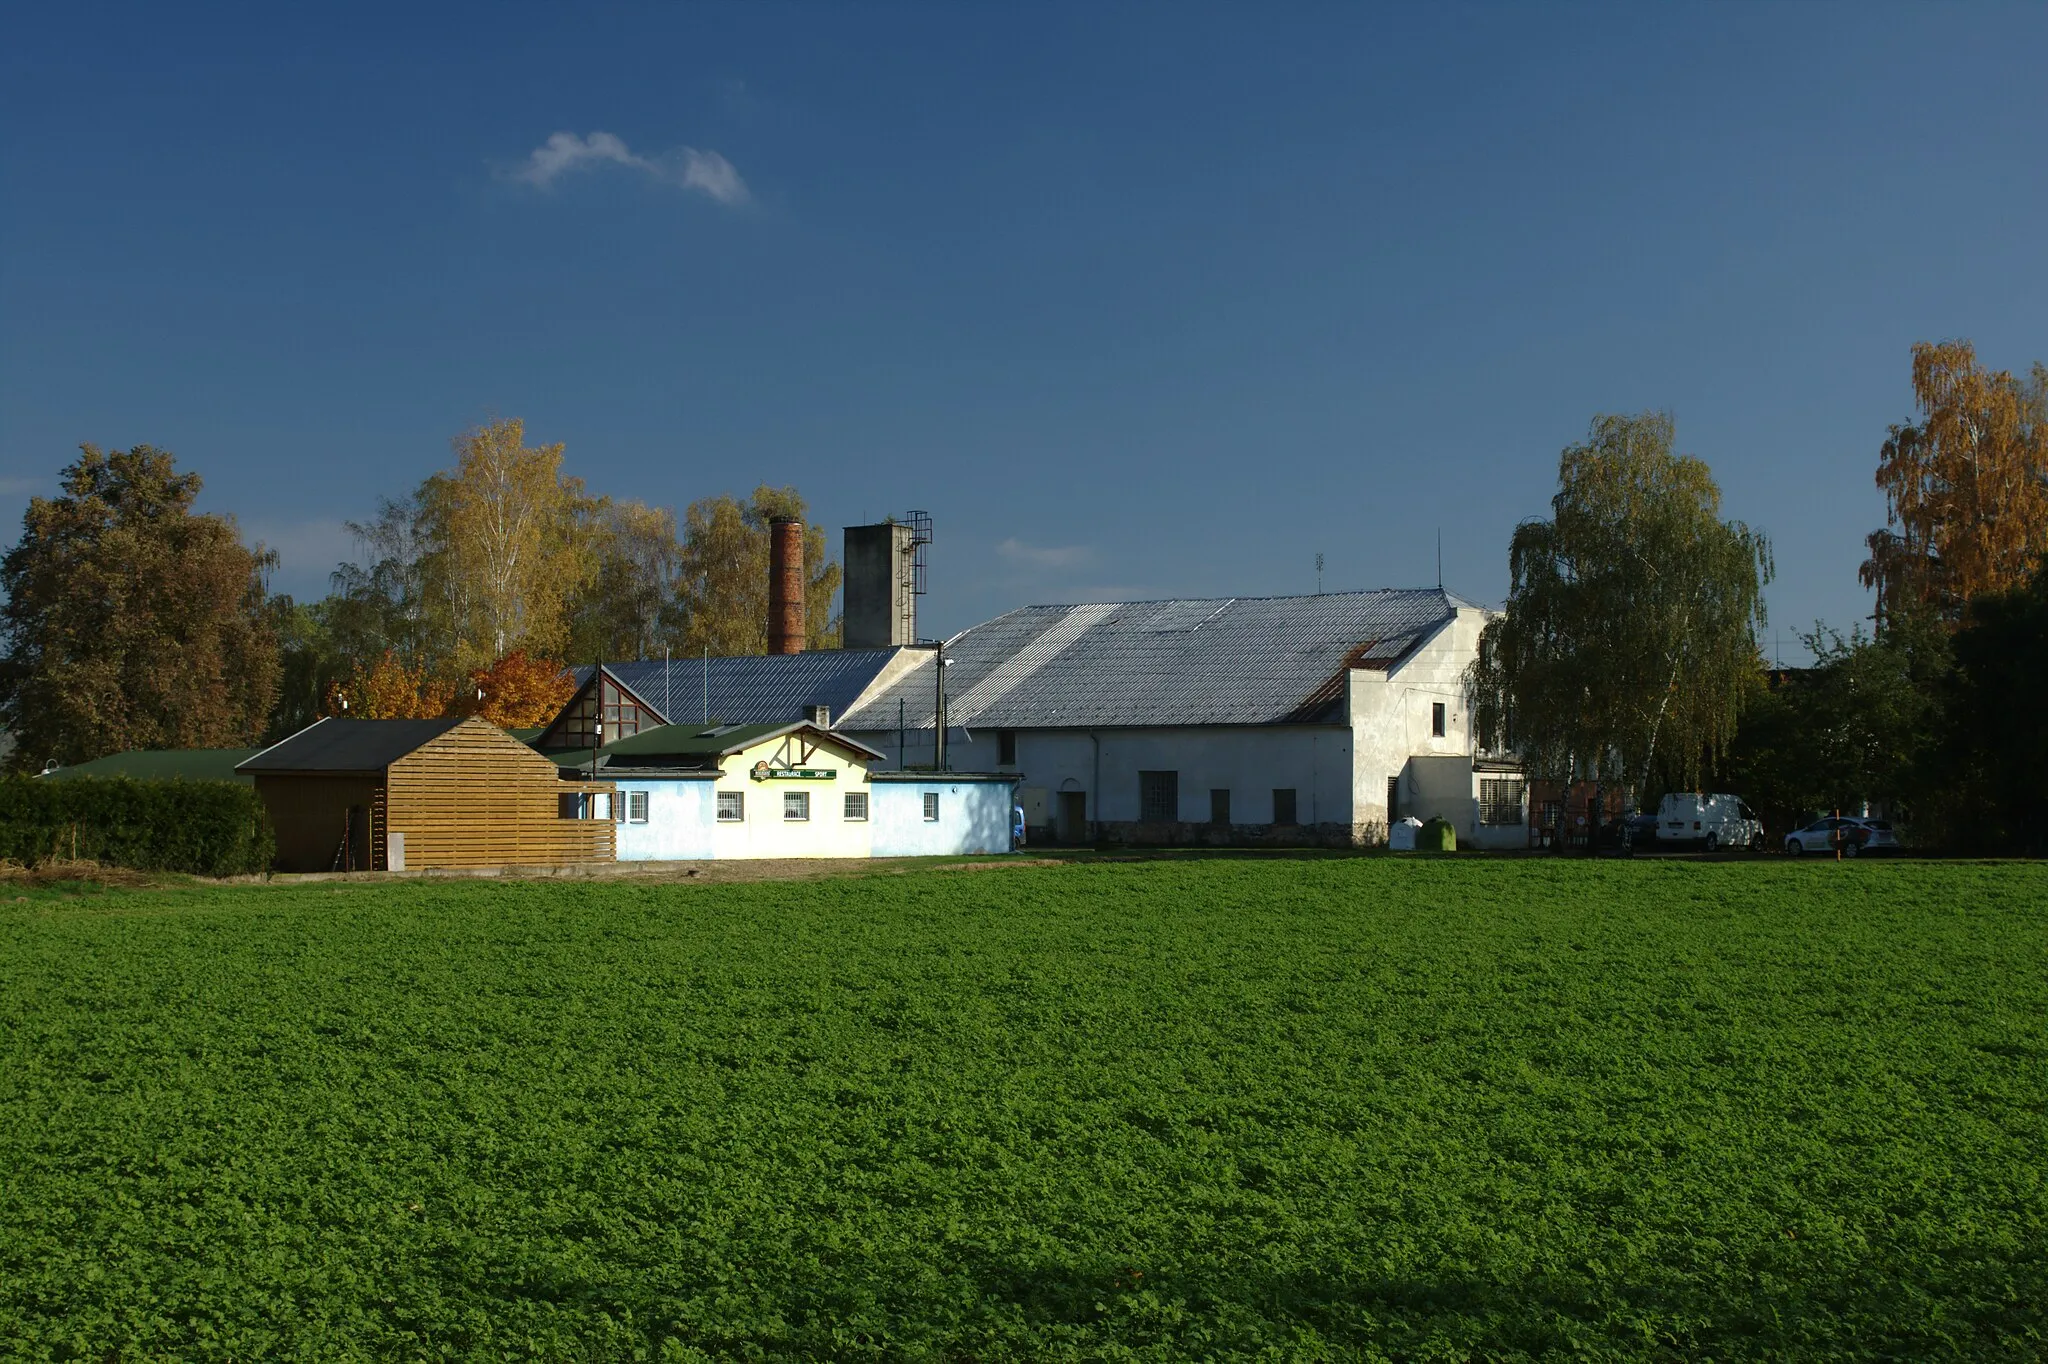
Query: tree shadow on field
<point x="1984" y="1306"/>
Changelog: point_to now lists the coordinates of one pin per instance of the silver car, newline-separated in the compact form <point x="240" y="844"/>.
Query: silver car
<point x="1859" y="835"/>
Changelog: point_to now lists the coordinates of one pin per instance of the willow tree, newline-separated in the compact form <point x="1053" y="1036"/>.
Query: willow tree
<point x="1629" y="637"/>
<point x="1965" y="489"/>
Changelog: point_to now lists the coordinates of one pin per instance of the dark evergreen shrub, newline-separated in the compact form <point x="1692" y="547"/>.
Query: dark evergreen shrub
<point x="208" y="828"/>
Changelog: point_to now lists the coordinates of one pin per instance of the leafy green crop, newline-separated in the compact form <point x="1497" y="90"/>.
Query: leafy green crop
<point x="1295" y="1110"/>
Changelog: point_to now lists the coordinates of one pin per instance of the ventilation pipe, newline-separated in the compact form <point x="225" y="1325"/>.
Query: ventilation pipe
<point x="785" y="586"/>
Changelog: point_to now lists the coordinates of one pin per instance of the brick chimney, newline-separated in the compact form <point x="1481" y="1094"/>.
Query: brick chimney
<point x="785" y="586"/>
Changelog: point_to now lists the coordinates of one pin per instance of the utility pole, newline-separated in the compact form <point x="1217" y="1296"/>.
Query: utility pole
<point x="597" y="720"/>
<point x="939" y="710"/>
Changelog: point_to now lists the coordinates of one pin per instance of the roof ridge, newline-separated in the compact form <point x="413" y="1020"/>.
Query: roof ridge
<point x="1189" y="601"/>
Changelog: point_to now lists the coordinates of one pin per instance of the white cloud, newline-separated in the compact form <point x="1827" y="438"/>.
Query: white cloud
<point x="1044" y="556"/>
<point x="702" y="172"/>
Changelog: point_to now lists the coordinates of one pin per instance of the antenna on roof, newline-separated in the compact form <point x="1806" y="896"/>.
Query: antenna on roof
<point x="1439" y="558"/>
<point x="1319" y="573"/>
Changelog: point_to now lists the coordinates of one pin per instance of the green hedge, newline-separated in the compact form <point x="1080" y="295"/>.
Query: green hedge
<point x="209" y="828"/>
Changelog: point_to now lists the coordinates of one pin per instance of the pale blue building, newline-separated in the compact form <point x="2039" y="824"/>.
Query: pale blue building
<point x="925" y="814"/>
<point x="795" y="789"/>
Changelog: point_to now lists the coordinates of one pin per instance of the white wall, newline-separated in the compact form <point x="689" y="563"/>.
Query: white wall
<point x="1391" y="717"/>
<point x="1248" y="760"/>
<point x="678" y="827"/>
<point x="974" y="817"/>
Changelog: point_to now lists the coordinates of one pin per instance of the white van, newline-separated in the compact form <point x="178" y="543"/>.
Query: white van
<point x="1716" y="821"/>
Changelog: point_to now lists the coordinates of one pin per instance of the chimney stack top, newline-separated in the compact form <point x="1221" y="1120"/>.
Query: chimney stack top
<point x="786" y="630"/>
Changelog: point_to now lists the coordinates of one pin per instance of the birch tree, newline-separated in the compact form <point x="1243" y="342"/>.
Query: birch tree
<point x="632" y="604"/>
<point x="1966" y="488"/>
<point x="512" y="527"/>
<point x="1629" y="638"/>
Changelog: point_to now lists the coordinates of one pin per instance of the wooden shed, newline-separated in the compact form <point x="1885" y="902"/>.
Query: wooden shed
<point x="462" y="793"/>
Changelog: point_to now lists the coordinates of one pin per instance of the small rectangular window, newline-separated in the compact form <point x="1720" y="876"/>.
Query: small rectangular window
<point x="1283" y="805"/>
<point x="931" y="807"/>
<point x="1006" y="747"/>
<point x="636" y="807"/>
<point x="732" y="806"/>
<point x="569" y="805"/>
<point x="856" y="805"/>
<point x="796" y="805"/>
<point x="1158" y="795"/>
<point x="1436" y="720"/>
<point x="1219" y="806"/>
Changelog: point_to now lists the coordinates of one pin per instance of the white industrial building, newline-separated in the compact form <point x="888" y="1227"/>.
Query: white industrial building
<point x="1285" y="720"/>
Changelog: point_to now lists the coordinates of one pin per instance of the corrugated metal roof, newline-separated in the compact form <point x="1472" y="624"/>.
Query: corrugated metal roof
<point x="760" y="690"/>
<point x="334" y="745"/>
<point x="1217" y="661"/>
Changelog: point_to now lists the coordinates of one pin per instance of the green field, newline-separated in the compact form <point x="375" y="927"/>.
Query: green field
<point x="1340" y="1109"/>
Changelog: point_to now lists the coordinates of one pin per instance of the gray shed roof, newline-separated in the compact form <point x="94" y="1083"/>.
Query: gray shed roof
<point x="334" y="745"/>
<point x="760" y="690"/>
<point x="1217" y="661"/>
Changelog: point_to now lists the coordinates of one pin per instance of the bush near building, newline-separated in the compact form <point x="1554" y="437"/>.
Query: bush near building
<point x="208" y="828"/>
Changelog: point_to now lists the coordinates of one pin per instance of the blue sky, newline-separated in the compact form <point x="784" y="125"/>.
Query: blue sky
<point x="1136" y="300"/>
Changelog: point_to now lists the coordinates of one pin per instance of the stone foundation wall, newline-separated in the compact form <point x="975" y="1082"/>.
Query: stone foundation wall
<point x="1191" y="834"/>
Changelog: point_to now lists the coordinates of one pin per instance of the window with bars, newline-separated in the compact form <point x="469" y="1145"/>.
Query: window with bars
<point x="732" y="806"/>
<point x="1219" y="805"/>
<point x="796" y="805"/>
<point x="1500" y="801"/>
<point x="856" y="806"/>
<point x="931" y="807"/>
<point x="1006" y="747"/>
<point x="1283" y="805"/>
<point x="1158" y="795"/>
<point x="1436" y="720"/>
<point x="636" y="807"/>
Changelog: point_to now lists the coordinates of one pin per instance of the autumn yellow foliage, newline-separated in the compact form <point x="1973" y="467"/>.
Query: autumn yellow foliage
<point x="516" y="692"/>
<point x="1966" y="490"/>
<point x="387" y="689"/>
